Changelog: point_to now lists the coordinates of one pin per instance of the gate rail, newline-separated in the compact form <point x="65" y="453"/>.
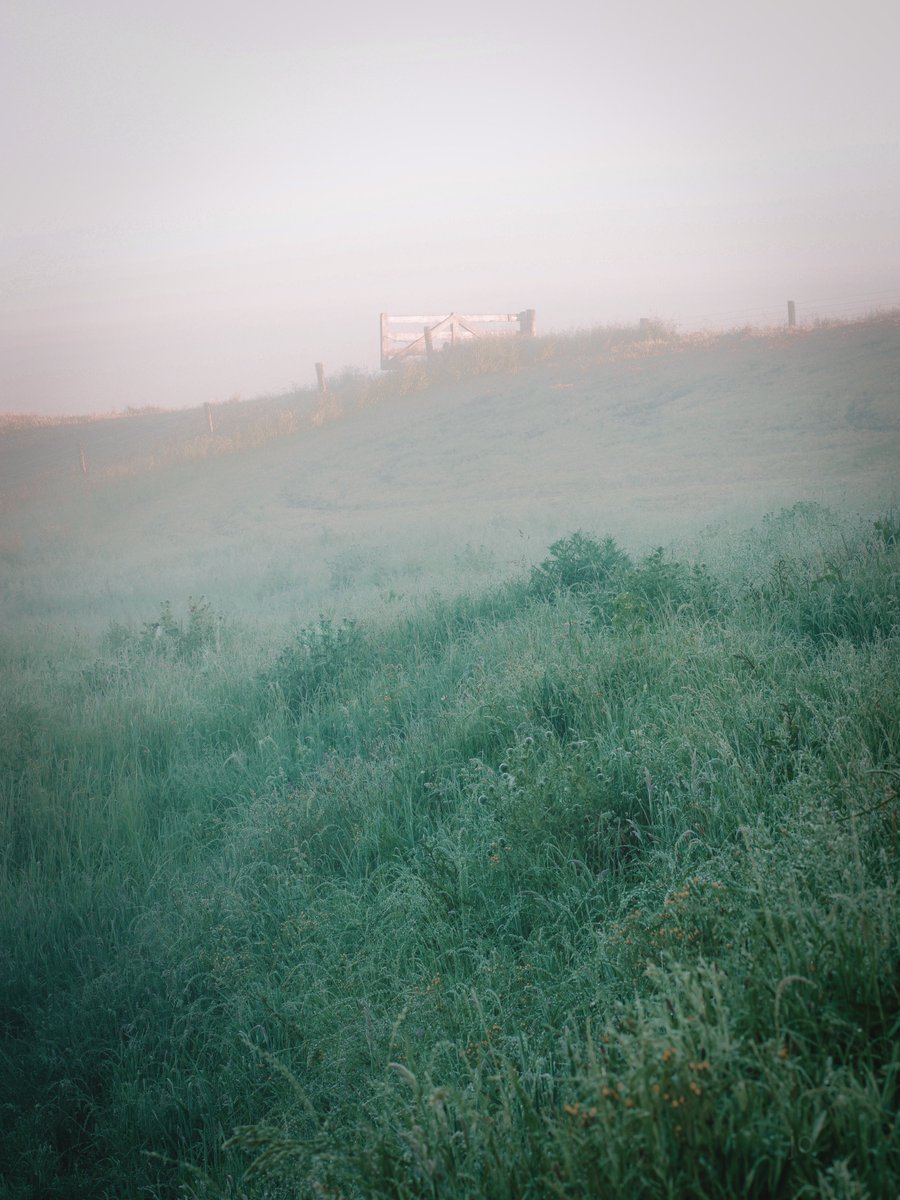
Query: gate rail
<point x="415" y="336"/>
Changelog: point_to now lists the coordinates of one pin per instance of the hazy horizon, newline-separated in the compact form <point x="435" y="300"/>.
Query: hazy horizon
<point x="201" y="203"/>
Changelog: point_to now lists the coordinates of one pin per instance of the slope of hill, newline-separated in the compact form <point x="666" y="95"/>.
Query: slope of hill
<point x="581" y="885"/>
<point x="599" y="430"/>
<point x="558" y="872"/>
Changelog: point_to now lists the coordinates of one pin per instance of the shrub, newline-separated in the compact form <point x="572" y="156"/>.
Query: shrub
<point x="579" y="564"/>
<point x="316" y="660"/>
<point x="168" y="636"/>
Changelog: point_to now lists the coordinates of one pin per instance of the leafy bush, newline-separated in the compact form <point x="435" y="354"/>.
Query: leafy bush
<point x="851" y="591"/>
<point x="661" y="581"/>
<point x="183" y="638"/>
<point x="887" y="530"/>
<point x="579" y="564"/>
<point x="169" y="636"/>
<point x="315" y="662"/>
<point x="617" y="590"/>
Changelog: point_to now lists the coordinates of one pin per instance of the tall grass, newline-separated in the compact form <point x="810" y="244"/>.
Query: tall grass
<point x="583" y="885"/>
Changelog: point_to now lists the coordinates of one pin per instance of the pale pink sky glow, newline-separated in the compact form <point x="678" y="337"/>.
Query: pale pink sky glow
<point x="202" y="199"/>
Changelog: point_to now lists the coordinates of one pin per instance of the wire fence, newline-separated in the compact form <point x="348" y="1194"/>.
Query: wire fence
<point x="810" y="308"/>
<point x="136" y="441"/>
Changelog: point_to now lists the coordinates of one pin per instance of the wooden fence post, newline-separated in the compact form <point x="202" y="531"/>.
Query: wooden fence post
<point x="792" y="314"/>
<point x="209" y="417"/>
<point x="83" y="463"/>
<point x="320" y="377"/>
<point x="429" y="343"/>
<point x="527" y="322"/>
<point x="385" y="343"/>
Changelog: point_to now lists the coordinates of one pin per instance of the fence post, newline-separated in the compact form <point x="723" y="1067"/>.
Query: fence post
<point x="320" y="377"/>
<point x="527" y="325"/>
<point x="83" y="463"/>
<point x="792" y="314"/>
<point x="209" y="417"/>
<point x="429" y="344"/>
<point x="385" y="344"/>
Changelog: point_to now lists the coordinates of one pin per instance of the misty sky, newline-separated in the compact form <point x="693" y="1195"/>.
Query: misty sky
<point x="202" y="198"/>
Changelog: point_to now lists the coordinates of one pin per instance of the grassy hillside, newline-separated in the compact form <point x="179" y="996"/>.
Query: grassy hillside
<point x="500" y="448"/>
<point x="586" y="884"/>
<point x="544" y="863"/>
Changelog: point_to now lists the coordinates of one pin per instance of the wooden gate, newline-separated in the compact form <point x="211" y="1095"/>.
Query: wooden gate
<point x="414" y="336"/>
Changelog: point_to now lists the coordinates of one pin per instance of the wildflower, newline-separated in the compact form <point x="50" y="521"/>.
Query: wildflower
<point x="571" y="1110"/>
<point x="695" y="1088"/>
<point x="668" y="1054"/>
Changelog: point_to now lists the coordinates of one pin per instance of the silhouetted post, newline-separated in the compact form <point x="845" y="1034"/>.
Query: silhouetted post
<point x="527" y="322"/>
<point x="385" y="340"/>
<point x="83" y="463"/>
<point x="429" y="344"/>
<point x="792" y="314"/>
<point x="209" y="417"/>
<point x="320" y="377"/>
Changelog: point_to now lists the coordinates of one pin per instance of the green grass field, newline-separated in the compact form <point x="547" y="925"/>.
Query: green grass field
<point x="487" y="791"/>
